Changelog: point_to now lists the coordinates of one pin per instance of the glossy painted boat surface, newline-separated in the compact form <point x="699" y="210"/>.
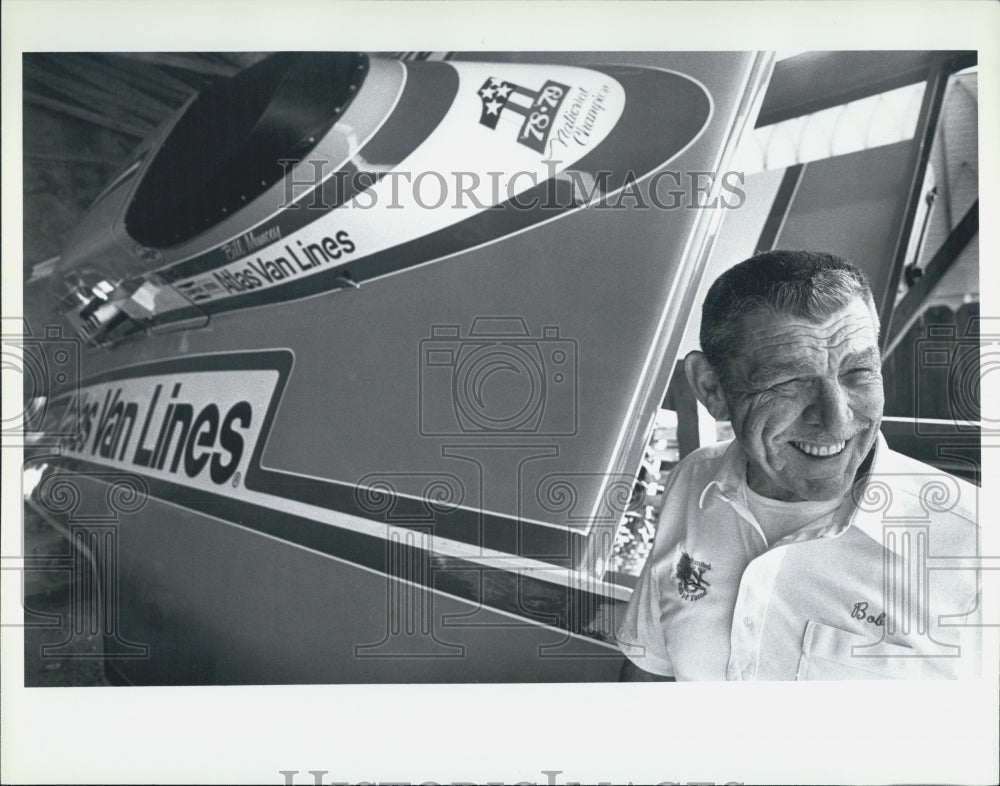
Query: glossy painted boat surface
<point x="381" y="412"/>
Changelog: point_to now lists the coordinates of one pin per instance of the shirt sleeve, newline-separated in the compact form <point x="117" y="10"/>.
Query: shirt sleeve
<point x="640" y="635"/>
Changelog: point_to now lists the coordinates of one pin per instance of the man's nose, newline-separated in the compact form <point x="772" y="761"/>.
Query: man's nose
<point x="830" y="409"/>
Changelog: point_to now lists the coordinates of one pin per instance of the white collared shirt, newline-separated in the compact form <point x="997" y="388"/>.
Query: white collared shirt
<point x="850" y="596"/>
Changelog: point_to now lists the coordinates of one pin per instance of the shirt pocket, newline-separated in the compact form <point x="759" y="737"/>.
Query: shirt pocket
<point x="828" y="654"/>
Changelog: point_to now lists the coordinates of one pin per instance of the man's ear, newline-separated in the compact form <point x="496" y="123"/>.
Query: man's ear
<point x="706" y="385"/>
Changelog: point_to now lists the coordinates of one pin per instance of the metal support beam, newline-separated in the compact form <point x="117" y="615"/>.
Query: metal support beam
<point x="151" y="79"/>
<point x="779" y="209"/>
<point x="68" y="157"/>
<point x="909" y="308"/>
<point x="199" y="63"/>
<point x="814" y="81"/>
<point x="136" y="131"/>
<point x="103" y="101"/>
<point x="116" y="85"/>
<point x="930" y="110"/>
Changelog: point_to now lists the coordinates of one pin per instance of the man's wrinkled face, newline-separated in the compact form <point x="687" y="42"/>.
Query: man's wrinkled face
<point x="805" y="400"/>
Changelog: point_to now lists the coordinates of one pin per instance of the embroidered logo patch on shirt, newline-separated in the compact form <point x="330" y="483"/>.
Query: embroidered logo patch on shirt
<point x="689" y="574"/>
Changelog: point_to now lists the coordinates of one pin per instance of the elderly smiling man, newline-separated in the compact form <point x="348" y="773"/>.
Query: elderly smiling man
<point x="799" y="550"/>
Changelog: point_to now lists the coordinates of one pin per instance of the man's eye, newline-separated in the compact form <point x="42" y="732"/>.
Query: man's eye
<point x="859" y="374"/>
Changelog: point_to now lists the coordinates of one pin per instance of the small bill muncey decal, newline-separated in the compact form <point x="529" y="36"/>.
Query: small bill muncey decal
<point x="194" y="427"/>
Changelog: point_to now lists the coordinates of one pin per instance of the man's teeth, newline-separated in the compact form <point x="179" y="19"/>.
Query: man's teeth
<point x="819" y="450"/>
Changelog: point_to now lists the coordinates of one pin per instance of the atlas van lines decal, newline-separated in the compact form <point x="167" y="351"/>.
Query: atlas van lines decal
<point x="198" y="428"/>
<point x="510" y="128"/>
<point x="252" y="273"/>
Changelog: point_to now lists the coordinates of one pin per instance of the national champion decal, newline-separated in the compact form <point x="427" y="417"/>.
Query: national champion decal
<point x="689" y="574"/>
<point x="538" y="112"/>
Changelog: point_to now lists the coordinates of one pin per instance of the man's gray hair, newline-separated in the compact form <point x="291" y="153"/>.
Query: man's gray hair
<point x="800" y="283"/>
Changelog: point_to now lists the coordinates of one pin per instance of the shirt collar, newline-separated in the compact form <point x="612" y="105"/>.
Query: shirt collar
<point x="871" y="519"/>
<point x="730" y="476"/>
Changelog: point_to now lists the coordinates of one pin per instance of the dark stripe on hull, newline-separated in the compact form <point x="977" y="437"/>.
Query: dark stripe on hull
<point x="534" y="600"/>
